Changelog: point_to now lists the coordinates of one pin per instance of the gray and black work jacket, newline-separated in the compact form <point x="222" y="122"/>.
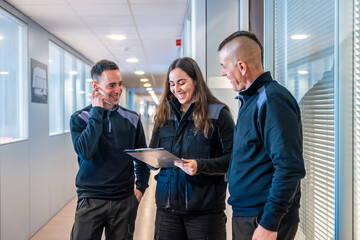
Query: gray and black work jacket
<point x="205" y="192"/>
<point x="99" y="137"/>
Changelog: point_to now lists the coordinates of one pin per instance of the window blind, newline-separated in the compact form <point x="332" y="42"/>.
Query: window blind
<point x="303" y="55"/>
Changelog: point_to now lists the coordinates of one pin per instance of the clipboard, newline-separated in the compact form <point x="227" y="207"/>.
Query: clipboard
<point x="155" y="157"/>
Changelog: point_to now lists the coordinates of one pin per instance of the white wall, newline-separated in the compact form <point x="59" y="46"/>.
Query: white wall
<point x="222" y="19"/>
<point x="37" y="175"/>
<point x="211" y="22"/>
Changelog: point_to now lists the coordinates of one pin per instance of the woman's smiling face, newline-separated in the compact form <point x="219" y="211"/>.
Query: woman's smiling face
<point x="182" y="87"/>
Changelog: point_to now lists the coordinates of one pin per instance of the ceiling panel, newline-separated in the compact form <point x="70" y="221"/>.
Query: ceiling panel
<point x="156" y="1"/>
<point x="46" y="10"/>
<point x="83" y="35"/>
<point x="98" y="2"/>
<point x="160" y="20"/>
<point x="106" y="21"/>
<point x="176" y="29"/>
<point x="35" y="2"/>
<point x="162" y="9"/>
<point x="160" y="35"/>
<point x="99" y="10"/>
<point x="69" y="24"/>
<point x="151" y="28"/>
<point x="113" y="29"/>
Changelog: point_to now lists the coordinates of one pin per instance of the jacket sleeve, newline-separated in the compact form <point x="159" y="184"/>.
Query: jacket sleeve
<point x="141" y="170"/>
<point x="225" y="134"/>
<point x="85" y="136"/>
<point x="280" y="127"/>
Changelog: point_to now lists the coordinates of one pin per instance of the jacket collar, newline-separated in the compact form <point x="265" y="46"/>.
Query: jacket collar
<point x="260" y="81"/>
<point x="175" y="106"/>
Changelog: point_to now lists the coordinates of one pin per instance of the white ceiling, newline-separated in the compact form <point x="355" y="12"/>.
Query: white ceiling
<point x="151" y="28"/>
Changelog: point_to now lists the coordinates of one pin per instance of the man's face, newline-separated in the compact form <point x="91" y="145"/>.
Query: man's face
<point x="231" y="71"/>
<point x="110" y="85"/>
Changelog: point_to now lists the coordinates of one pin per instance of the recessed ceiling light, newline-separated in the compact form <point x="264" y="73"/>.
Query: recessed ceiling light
<point x="299" y="36"/>
<point x="139" y="72"/>
<point x="147" y="85"/>
<point x="132" y="60"/>
<point x="1" y="37"/>
<point x="116" y="37"/>
<point x="148" y="89"/>
<point x="144" y="80"/>
<point x="302" y="72"/>
<point x="4" y="73"/>
<point x="73" y="72"/>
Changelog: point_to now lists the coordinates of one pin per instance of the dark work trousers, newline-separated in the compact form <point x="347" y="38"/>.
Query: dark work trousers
<point x="116" y="216"/>
<point x="209" y="226"/>
<point x="244" y="227"/>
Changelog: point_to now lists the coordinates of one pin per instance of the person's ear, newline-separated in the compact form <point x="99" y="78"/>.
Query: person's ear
<point x="242" y="66"/>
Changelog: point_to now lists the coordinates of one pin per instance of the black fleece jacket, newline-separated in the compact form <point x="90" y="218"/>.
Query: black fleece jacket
<point x="267" y="163"/>
<point x="179" y="192"/>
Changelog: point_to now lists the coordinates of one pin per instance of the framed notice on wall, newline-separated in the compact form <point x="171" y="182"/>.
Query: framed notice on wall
<point x="39" y="83"/>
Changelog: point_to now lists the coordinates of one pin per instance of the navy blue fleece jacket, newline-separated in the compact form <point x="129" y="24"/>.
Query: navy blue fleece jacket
<point x="99" y="137"/>
<point x="266" y="163"/>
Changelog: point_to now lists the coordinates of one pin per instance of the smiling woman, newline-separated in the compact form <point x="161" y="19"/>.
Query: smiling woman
<point x="190" y="122"/>
<point x="13" y="80"/>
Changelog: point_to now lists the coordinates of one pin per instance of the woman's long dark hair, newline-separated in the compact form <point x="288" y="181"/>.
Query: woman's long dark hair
<point x="202" y="96"/>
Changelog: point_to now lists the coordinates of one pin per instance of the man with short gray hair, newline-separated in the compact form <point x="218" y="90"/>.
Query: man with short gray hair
<point x="266" y="163"/>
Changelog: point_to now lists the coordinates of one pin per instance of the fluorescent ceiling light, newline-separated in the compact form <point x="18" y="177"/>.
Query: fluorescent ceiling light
<point x="144" y="80"/>
<point x="132" y="60"/>
<point x="302" y="72"/>
<point x="147" y="85"/>
<point x="1" y="37"/>
<point x="148" y="89"/>
<point x="116" y="37"/>
<point x="73" y="72"/>
<point x="139" y="72"/>
<point x="4" y="73"/>
<point x="151" y="92"/>
<point x="299" y="36"/>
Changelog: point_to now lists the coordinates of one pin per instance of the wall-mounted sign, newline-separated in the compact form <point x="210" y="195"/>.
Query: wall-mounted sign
<point x="39" y="84"/>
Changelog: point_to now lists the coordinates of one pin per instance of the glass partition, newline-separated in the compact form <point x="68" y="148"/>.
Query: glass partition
<point x="13" y="79"/>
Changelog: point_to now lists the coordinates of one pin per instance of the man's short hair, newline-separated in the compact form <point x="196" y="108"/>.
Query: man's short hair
<point x="247" y="34"/>
<point x="101" y="66"/>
